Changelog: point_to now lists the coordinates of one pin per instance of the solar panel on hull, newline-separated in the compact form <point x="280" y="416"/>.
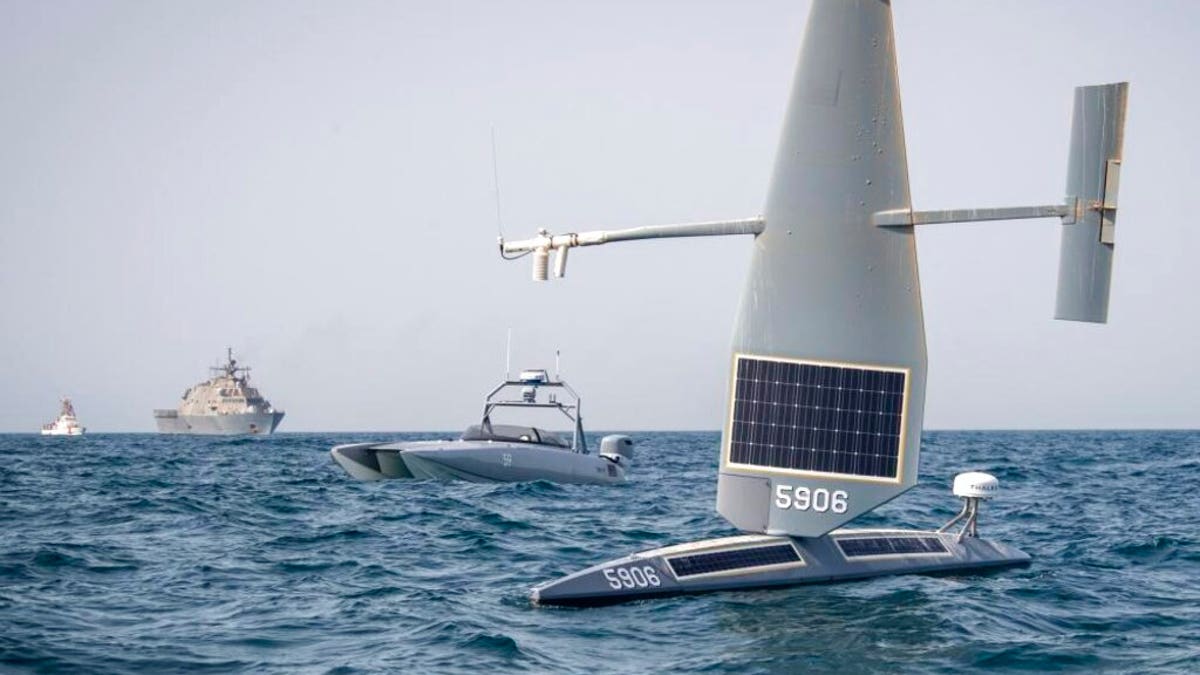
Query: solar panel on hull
<point x="817" y="417"/>
<point x="735" y="559"/>
<point x="873" y="546"/>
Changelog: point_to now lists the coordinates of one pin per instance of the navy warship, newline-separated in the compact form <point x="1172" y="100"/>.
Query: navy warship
<point x="223" y="405"/>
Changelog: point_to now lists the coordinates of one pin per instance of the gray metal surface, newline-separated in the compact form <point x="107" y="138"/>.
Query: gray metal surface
<point x="391" y="464"/>
<point x="486" y="461"/>
<point x="1085" y="260"/>
<point x="232" y="424"/>
<point x="901" y="217"/>
<point x="649" y="574"/>
<point x="824" y="283"/>
<point x="509" y="462"/>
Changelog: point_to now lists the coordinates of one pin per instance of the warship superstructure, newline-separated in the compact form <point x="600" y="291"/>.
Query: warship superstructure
<point x="224" y="405"/>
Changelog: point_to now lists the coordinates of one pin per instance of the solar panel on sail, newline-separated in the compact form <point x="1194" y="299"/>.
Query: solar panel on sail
<point x="861" y="547"/>
<point x="824" y="418"/>
<point x="733" y="559"/>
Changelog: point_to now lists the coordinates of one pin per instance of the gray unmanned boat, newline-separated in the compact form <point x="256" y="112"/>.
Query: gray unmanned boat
<point x="488" y="452"/>
<point x="827" y="368"/>
<point x="223" y="405"/>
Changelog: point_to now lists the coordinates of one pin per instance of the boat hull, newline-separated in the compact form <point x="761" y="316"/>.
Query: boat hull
<point x="73" y="431"/>
<point x="219" y="425"/>
<point x="480" y="462"/>
<point x="765" y="561"/>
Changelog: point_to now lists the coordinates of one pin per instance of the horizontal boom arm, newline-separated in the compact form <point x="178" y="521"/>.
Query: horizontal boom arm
<point x="906" y="217"/>
<point x="713" y="228"/>
<point x="544" y="242"/>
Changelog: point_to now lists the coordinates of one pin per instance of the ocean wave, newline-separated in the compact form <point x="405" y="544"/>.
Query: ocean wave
<point x="171" y="554"/>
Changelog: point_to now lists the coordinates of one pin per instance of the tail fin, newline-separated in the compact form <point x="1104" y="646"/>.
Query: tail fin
<point x="1093" y="176"/>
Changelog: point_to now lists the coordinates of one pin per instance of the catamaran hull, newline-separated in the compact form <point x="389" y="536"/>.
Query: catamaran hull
<point x="220" y="425"/>
<point x="365" y="461"/>
<point x="763" y="561"/>
<point x="475" y="462"/>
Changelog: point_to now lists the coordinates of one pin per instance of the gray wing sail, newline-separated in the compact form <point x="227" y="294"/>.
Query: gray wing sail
<point x="827" y="378"/>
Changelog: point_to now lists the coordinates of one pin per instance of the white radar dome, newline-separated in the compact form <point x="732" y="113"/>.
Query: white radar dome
<point x="976" y="484"/>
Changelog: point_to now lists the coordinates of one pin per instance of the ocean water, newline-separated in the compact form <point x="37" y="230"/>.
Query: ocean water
<point x="145" y="553"/>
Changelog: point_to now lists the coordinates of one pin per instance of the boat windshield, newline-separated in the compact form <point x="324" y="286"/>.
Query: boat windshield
<point x="513" y="433"/>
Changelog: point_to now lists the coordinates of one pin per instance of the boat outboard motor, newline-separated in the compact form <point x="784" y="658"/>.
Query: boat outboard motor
<point x="617" y="449"/>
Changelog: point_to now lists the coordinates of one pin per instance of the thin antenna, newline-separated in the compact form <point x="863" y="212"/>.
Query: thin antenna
<point x="556" y="375"/>
<point x="508" y="357"/>
<point x="496" y="183"/>
<point x="499" y="221"/>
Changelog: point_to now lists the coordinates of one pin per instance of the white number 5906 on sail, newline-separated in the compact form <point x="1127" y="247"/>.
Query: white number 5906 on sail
<point x="802" y="498"/>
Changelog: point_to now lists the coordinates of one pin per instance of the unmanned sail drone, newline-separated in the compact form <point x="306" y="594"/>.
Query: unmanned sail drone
<point x="827" y="371"/>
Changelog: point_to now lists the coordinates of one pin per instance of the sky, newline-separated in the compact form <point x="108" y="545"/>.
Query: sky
<point x="311" y="184"/>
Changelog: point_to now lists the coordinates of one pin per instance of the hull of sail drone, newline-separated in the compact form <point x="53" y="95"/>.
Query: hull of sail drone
<point x="762" y="561"/>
